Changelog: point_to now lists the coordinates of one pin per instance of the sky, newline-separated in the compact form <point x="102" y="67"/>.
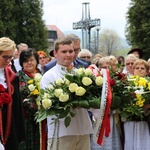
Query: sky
<point x="63" y="13"/>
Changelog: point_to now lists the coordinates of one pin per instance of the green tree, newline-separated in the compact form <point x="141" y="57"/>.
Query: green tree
<point x="138" y="25"/>
<point x="21" y="20"/>
<point x="109" y="42"/>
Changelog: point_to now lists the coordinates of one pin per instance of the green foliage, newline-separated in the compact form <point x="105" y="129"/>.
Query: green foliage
<point x="138" y="25"/>
<point x="23" y="23"/>
<point x="109" y="41"/>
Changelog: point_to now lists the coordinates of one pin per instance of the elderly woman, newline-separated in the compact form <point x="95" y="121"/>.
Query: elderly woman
<point x="129" y="61"/>
<point x="136" y="131"/>
<point x="29" y="61"/>
<point x="12" y="129"/>
<point x="114" y="62"/>
<point x="104" y="63"/>
<point x="141" y="68"/>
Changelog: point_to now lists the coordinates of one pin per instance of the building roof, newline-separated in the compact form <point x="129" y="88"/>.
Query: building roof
<point x="55" y="28"/>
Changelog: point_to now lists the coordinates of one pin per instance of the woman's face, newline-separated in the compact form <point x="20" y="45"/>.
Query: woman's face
<point x="129" y="64"/>
<point x="42" y="60"/>
<point x="6" y="57"/>
<point x="105" y="65"/>
<point x="30" y="65"/>
<point x="140" y="70"/>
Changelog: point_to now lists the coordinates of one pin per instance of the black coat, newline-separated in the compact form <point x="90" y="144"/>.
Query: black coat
<point x="17" y="131"/>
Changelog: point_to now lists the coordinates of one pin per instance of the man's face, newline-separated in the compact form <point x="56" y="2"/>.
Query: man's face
<point x="77" y="48"/>
<point x="22" y="48"/>
<point x="65" y="54"/>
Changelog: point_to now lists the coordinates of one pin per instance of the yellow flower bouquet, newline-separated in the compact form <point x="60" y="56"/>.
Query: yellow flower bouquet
<point x="81" y="88"/>
<point x="134" y="95"/>
<point x="32" y="88"/>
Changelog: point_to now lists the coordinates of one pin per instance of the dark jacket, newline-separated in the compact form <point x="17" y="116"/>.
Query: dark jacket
<point x="17" y="130"/>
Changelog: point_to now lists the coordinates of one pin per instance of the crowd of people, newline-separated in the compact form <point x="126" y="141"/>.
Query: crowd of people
<point x="18" y="127"/>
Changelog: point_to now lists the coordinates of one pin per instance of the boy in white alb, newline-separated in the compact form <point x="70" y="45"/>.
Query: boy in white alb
<point x="77" y="135"/>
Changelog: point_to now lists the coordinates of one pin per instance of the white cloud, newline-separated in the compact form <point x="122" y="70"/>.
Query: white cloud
<point x="63" y="13"/>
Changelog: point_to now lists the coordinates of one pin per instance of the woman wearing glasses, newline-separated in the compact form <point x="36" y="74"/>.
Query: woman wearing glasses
<point x="136" y="131"/>
<point x="12" y="129"/>
<point x="43" y="59"/>
<point x="129" y="61"/>
<point x="29" y="61"/>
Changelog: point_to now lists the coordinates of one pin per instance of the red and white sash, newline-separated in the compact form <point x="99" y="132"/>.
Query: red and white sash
<point x="103" y="121"/>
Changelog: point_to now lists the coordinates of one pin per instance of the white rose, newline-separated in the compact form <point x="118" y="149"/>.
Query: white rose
<point x="46" y="103"/>
<point x="31" y="87"/>
<point x="86" y="81"/>
<point x="67" y="81"/>
<point x="50" y="87"/>
<point x="63" y="97"/>
<point x="73" y="87"/>
<point x="80" y="71"/>
<point x="88" y="71"/>
<point x="59" y="81"/>
<point x="57" y="92"/>
<point x="46" y="95"/>
<point x="37" y="77"/>
<point x="99" y="81"/>
<point x="80" y="91"/>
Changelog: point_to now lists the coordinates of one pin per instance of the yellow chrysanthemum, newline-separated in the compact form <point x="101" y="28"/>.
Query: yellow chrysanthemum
<point x="136" y="83"/>
<point x="132" y="77"/>
<point x="30" y="81"/>
<point x="140" y="103"/>
<point x="142" y="82"/>
<point x="148" y="86"/>
<point x="35" y="92"/>
<point x="139" y="97"/>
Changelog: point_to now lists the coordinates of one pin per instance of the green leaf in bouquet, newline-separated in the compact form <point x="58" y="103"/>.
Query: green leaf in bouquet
<point x="67" y="121"/>
<point x="72" y="113"/>
<point x="74" y="79"/>
<point x="69" y="77"/>
<point x="40" y="115"/>
<point x="84" y="104"/>
<point x="132" y="112"/>
<point x="75" y="103"/>
<point x="51" y="112"/>
<point x="63" y="113"/>
<point x="94" y="102"/>
<point x="42" y="91"/>
<point x="125" y="115"/>
<point x="116" y="102"/>
<point x="77" y="80"/>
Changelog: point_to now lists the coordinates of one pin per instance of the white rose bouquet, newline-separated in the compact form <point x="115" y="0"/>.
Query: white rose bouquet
<point x="81" y="88"/>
